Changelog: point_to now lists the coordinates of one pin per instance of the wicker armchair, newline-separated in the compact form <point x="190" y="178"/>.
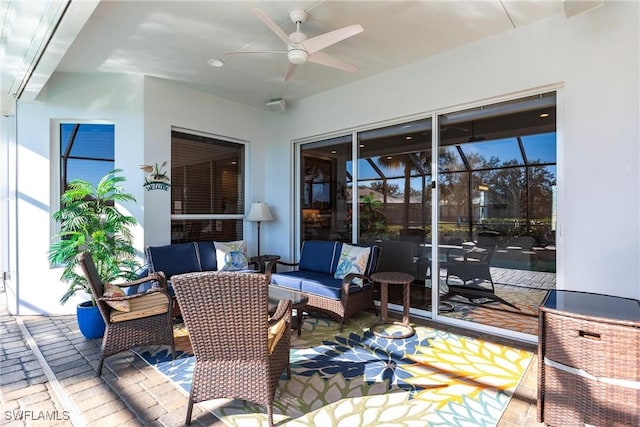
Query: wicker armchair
<point x="149" y="320"/>
<point x="226" y="315"/>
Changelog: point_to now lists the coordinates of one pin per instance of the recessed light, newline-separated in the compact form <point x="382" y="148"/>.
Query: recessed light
<point x="408" y="138"/>
<point x="215" y="62"/>
<point x="333" y="151"/>
<point x="543" y="115"/>
<point x="361" y="145"/>
<point x="389" y="157"/>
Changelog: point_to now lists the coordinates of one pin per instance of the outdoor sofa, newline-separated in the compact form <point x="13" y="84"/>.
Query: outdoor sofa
<point x="191" y="257"/>
<point x="334" y="275"/>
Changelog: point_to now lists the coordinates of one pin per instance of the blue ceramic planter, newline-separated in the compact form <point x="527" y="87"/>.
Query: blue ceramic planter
<point x="90" y="321"/>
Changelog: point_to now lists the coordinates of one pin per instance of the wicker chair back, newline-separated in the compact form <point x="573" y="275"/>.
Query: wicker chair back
<point x="227" y="316"/>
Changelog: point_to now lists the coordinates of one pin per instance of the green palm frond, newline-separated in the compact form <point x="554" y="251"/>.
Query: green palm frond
<point x="89" y="221"/>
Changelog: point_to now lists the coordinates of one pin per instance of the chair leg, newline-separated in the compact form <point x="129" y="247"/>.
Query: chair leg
<point x="270" y="413"/>
<point x="187" y="421"/>
<point x="100" y="363"/>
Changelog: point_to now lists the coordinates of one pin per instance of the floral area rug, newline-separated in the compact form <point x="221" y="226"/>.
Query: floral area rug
<point x="355" y="378"/>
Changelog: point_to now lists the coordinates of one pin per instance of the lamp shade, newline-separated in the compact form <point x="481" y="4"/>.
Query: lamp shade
<point x="259" y="212"/>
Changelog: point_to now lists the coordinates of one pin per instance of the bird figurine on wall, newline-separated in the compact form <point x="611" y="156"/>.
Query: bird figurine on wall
<point x="155" y="174"/>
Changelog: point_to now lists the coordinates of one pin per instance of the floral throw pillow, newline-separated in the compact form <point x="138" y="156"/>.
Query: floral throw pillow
<point x="353" y="259"/>
<point x="116" y="291"/>
<point x="231" y="256"/>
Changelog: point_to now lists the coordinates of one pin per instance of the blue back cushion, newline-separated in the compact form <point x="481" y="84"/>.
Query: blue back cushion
<point x="319" y="256"/>
<point x="207" y="253"/>
<point x="373" y="259"/>
<point x="142" y="287"/>
<point x="173" y="259"/>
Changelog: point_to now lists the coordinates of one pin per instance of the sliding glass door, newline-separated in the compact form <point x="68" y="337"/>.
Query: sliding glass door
<point x="490" y="189"/>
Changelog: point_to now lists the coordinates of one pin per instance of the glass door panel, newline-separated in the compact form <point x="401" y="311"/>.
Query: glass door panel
<point x="496" y="180"/>
<point x="325" y="190"/>
<point x="394" y="201"/>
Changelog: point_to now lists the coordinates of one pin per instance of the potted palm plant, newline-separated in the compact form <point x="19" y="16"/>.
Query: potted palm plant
<point x="89" y="221"/>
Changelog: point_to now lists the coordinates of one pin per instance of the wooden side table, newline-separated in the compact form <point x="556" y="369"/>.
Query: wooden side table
<point x="263" y="260"/>
<point x="393" y="278"/>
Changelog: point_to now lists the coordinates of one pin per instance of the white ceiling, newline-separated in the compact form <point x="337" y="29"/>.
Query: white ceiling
<point x="173" y="40"/>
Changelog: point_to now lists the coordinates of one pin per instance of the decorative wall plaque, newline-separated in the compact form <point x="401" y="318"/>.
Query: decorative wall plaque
<point x="156" y="178"/>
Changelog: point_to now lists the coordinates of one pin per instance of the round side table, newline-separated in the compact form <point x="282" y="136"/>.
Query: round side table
<point x="393" y="278"/>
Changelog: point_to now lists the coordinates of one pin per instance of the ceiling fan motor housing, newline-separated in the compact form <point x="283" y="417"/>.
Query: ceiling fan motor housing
<point x="296" y="52"/>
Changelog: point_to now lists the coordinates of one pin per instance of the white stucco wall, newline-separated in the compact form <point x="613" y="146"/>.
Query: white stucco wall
<point x="143" y="111"/>
<point x="594" y="56"/>
<point x="167" y="105"/>
<point x="70" y="97"/>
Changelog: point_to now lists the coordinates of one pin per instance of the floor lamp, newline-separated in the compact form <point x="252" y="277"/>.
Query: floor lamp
<point x="259" y="212"/>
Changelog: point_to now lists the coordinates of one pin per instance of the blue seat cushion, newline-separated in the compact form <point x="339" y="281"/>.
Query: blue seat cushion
<point x="319" y="256"/>
<point x="326" y="286"/>
<point x="289" y="279"/>
<point x="207" y="253"/>
<point x="177" y="258"/>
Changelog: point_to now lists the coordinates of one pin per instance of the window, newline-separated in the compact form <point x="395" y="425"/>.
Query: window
<point x="86" y="152"/>
<point x="207" y="188"/>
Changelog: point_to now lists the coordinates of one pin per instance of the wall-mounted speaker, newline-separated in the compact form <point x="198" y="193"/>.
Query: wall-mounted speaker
<point x="276" y="105"/>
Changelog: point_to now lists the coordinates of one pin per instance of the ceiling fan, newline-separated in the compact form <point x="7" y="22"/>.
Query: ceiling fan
<point x="300" y="49"/>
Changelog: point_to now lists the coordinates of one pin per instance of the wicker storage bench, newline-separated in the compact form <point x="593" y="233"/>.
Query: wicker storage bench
<point x="589" y="360"/>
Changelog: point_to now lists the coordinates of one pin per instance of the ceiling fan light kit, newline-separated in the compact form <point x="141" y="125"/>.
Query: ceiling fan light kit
<point x="297" y="56"/>
<point x="300" y="49"/>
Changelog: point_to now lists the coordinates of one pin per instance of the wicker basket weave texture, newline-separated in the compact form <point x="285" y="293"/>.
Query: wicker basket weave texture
<point x="127" y="334"/>
<point x="226" y="315"/>
<point x="597" y="348"/>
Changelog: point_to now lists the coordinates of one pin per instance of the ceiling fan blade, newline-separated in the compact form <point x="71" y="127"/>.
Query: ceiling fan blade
<point x="288" y="75"/>
<point x="234" y="52"/>
<point x="272" y="25"/>
<point x="317" y="43"/>
<point x="331" y="61"/>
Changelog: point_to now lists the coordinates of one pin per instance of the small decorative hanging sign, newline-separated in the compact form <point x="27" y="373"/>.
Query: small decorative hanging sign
<point x="156" y="178"/>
